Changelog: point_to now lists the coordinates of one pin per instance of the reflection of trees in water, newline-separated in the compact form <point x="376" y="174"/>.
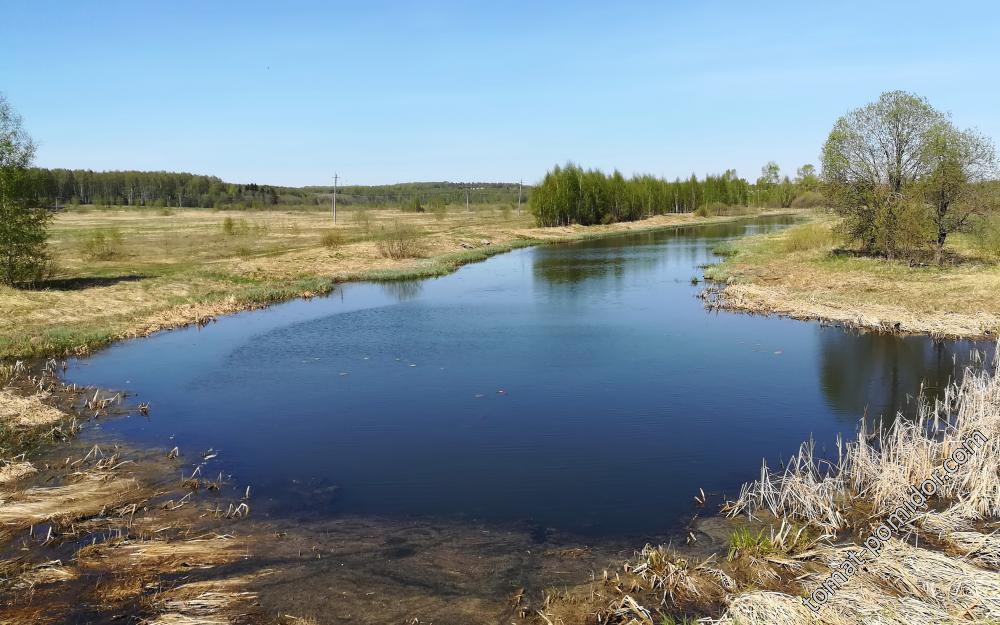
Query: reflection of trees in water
<point x="605" y="260"/>
<point x="402" y="290"/>
<point x="883" y="373"/>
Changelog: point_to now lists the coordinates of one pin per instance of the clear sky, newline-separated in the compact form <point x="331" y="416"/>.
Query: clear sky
<point x="287" y="92"/>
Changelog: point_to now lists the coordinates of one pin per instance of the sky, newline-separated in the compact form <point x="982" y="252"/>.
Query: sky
<point x="289" y="92"/>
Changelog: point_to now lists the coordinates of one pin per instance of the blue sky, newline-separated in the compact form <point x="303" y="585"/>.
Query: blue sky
<point x="287" y="92"/>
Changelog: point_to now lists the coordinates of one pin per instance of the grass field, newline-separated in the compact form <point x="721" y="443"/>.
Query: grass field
<point x="127" y="273"/>
<point x="804" y="272"/>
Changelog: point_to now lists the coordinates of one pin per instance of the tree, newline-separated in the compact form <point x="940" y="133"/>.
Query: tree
<point x="806" y="178"/>
<point x="872" y="156"/>
<point x="958" y="164"/>
<point x="23" y="225"/>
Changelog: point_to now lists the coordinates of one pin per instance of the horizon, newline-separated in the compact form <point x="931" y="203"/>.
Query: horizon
<point x="385" y="93"/>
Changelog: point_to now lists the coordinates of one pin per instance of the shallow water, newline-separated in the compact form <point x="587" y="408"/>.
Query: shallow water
<point x="579" y="388"/>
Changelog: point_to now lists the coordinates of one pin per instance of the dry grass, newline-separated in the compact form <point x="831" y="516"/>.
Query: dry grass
<point x="163" y="556"/>
<point x="179" y="269"/>
<point x="90" y="496"/>
<point x="809" y="516"/>
<point x="879" y="468"/>
<point x="17" y="411"/>
<point x="15" y="471"/>
<point x="796" y="274"/>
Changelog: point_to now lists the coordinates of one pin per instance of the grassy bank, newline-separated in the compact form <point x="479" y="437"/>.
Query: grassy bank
<point x="128" y="273"/>
<point x="805" y="272"/>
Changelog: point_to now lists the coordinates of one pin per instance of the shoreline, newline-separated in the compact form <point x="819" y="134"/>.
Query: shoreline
<point x="803" y="273"/>
<point x="255" y="293"/>
<point x="766" y="302"/>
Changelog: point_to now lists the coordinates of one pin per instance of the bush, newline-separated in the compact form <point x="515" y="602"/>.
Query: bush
<point x="413" y="206"/>
<point x="107" y="244"/>
<point x="809" y="199"/>
<point x="986" y="238"/>
<point x="331" y="239"/>
<point x="400" y="241"/>
<point x="809" y="237"/>
<point x="241" y="228"/>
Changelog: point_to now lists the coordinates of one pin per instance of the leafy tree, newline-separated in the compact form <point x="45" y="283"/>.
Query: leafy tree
<point x="806" y="178"/>
<point x="23" y="225"/>
<point x="870" y="159"/>
<point x="958" y="165"/>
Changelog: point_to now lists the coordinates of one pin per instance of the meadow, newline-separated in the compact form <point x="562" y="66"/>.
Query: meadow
<point x="122" y="273"/>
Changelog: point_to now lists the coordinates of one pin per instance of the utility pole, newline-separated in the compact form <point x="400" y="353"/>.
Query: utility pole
<point x="519" y="185"/>
<point x="335" y="178"/>
<point x="467" y="198"/>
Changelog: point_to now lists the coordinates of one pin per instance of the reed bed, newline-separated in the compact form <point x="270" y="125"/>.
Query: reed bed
<point x="877" y="469"/>
<point x="940" y="567"/>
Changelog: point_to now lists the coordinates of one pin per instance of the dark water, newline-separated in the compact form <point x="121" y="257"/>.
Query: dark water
<point x="582" y="387"/>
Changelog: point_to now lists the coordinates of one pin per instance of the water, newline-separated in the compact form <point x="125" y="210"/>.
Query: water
<point x="581" y="387"/>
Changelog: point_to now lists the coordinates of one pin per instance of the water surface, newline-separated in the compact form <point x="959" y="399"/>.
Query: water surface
<point x="582" y="387"/>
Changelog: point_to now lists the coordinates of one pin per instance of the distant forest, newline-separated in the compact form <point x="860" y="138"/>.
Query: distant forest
<point x="573" y="195"/>
<point x="61" y="187"/>
<point x="568" y="194"/>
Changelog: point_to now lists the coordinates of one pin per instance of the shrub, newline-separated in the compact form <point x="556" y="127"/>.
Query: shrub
<point x="240" y="227"/>
<point x="809" y="199"/>
<point x="106" y="244"/>
<point x="331" y="239"/>
<point x="413" y="206"/>
<point x="986" y="238"/>
<point x="400" y="240"/>
<point x="809" y="237"/>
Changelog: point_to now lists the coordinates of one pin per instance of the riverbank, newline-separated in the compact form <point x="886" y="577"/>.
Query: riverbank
<point x="804" y="273"/>
<point x="125" y="274"/>
<point x="899" y="528"/>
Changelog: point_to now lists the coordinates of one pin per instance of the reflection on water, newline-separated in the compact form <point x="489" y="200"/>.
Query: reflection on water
<point x="880" y="374"/>
<point x="402" y="290"/>
<point x="582" y="387"/>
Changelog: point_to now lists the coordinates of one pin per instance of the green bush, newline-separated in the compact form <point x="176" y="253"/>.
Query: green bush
<point x="809" y="237"/>
<point x="106" y="244"/>
<point x="986" y="238"/>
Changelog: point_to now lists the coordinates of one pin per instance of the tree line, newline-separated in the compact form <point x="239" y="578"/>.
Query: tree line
<point x="60" y="187"/>
<point x="56" y="187"/>
<point x="573" y="195"/>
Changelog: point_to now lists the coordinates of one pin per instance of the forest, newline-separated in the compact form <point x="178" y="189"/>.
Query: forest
<point x="60" y="187"/>
<point x="573" y="195"/>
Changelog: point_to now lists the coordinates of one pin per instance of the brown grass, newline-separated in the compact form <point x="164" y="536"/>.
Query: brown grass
<point x="90" y="496"/>
<point x="797" y="274"/>
<point x="179" y="269"/>
<point x="17" y="411"/>
<point x="163" y="556"/>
